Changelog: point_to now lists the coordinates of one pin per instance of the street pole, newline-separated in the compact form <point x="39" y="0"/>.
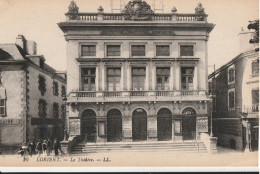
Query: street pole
<point x="213" y="106"/>
<point x="65" y="119"/>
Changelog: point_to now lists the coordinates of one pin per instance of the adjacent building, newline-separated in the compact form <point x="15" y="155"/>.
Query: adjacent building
<point x="236" y="104"/>
<point x="31" y="92"/>
<point x="137" y="75"/>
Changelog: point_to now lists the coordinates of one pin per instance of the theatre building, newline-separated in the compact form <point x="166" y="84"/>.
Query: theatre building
<point x="136" y="75"/>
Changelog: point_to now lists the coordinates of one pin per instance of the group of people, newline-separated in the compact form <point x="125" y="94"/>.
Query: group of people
<point x="44" y="147"/>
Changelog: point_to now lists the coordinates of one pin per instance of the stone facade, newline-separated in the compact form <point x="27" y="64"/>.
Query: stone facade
<point x="128" y="113"/>
<point x="20" y="68"/>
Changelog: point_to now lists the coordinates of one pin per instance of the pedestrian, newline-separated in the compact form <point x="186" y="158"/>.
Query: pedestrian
<point x="21" y="151"/>
<point x="39" y="147"/>
<point x="56" y="147"/>
<point x="44" y="147"/>
<point x="49" y="147"/>
<point x="31" y="148"/>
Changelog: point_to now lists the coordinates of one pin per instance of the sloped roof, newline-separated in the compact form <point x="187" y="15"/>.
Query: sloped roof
<point x="10" y="51"/>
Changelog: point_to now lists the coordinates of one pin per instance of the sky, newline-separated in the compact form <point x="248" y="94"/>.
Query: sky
<point x="37" y="20"/>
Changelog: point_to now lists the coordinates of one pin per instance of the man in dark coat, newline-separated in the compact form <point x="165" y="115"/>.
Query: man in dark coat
<point x="31" y="148"/>
<point x="56" y="147"/>
<point x="39" y="147"/>
<point x="49" y="147"/>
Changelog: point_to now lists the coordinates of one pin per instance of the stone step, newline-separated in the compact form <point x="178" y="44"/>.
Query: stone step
<point x="139" y="147"/>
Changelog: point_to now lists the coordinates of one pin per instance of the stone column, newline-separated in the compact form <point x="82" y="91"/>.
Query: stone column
<point x="122" y="79"/>
<point x="104" y="78"/>
<point x="171" y="80"/>
<point x="177" y="76"/>
<point x="147" y="79"/>
<point x="195" y="79"/>
<point x="129" y="77"/>
<point x="97" y="78"/>
<point x="127" y="128"/>
<point x="152" y="127"/>
<point x="153" y="77"/>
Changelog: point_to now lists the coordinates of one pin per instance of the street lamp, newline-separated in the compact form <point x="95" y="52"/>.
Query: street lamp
<point x="64" y="98"/>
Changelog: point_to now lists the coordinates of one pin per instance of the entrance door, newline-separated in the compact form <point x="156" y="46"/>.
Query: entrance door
<point x="189" y="124"/>
<point x="188" y="127"/>
<point x="114" y="126"/>
<point x="139" y="125"/>
<point x="88" y="125"/>
<point x="164" y="125"/>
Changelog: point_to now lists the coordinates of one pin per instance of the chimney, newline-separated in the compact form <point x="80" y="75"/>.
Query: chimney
<point x="244" y="37"/>
<point x="20" y="41"/>
<point x="31" y="47"/>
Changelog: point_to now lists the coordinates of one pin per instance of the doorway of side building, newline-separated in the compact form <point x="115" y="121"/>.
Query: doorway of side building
<point x="164" y="124"/>
<point x="114" y="125"/>
<point x="88" y="125"/>
<point x="139" y="125"/>
<point x="188" y="124"/>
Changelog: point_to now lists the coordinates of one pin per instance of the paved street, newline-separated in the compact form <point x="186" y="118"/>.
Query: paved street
<point x="224" y="157"/>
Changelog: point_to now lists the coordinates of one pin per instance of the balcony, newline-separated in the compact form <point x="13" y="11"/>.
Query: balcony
<point x="174" y="17"/>
<point x="251" y="111"/>
<point x="127" y="96"/>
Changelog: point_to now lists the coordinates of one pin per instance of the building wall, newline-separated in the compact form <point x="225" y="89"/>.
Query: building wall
<point x="243" y="99"/>
<point x="249" y="82"/>
<point x="34" y="96"/>
<point x="151" y="109"/>
<point x="73" y="51"/>
<point x="13" y="125"/>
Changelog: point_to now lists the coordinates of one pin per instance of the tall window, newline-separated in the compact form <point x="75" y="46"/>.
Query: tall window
<point x="138" y="77"/>
<point x="42" y="108"/>
<point x="255" y="69"/>
<point x="231" y="74"/>
<point x="231" y="99"/>
<point x="163" y="76"/>
<point x="2" y="107"/>
<point x="88" y="50"/>
<point x="55" y="88"/>
<point x="42" y="85"/>
<point x="88" y="79"/>
<point x="186" y="50"/>
<point x="113" y="79"/>
<point x="187" y="75"/>
<point x="113" y="50"/>
<point x="55" y="110"/>
<point x="162" y="50"/>
<point x="63" y="91"/>
<point x="138" y="50"/>
<point x="255" y="100"/>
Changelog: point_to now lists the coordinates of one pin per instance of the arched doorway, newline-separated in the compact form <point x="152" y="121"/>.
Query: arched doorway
<point x="164" y="124"/>
<point x="188" y="124"/>
<point x="114" y="125"/>
<point x="139" y="125"/>
<point x="88" y="125"/>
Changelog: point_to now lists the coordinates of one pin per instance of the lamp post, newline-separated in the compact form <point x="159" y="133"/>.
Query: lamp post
<point x="64" y="98"/>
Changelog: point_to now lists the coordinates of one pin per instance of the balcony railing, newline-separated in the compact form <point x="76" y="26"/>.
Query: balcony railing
<point x="251" y="109"/>
<point x="136" y="94"/>
<point x="177" y="17"/>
